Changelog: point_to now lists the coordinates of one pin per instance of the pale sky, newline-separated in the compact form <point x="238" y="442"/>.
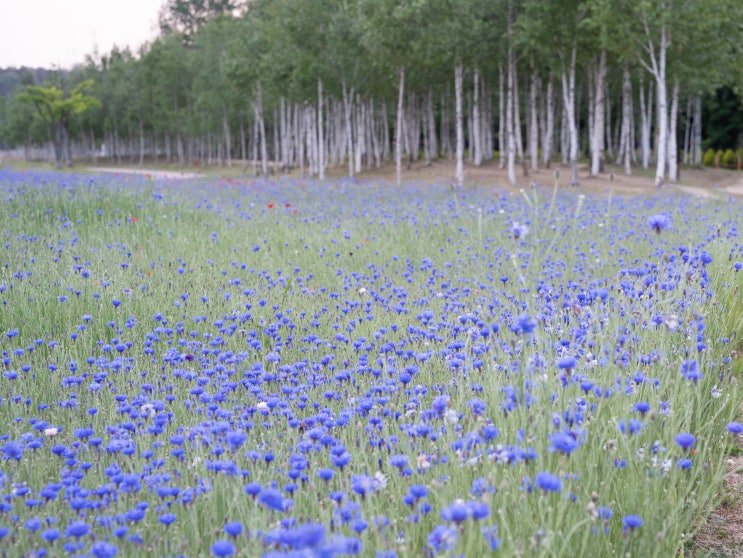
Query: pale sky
<point x="46" y="33"/>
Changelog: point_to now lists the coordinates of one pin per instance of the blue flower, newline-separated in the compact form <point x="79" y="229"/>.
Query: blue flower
<point x="548" y="482"/>
<point x="104" y="549"/>
<point x="525" y="324"/>
<point x="77" y="529"/>
<point x="442" y="539"/>
<point x="631" y="522"/>
<point x="222" y="548"/>
<point x="456" y="512"/>
<point x="690" y="371"/>
<point x="641" y="407"/>
<point x="685" y="440"/>
<point x="659" y="222"/>
<point x="50" y="535"/>
<point x="633" y="426"/>
<point x="13" y="450"/>
<point x="273" y="499"/>
<point x="167" y="519"/>
<point x="490" y="537"/>
<point x="233" y="529"/>
<point x="564" y="442"/>
<point x="734" y="428"/>
<point x="325" y="474"/>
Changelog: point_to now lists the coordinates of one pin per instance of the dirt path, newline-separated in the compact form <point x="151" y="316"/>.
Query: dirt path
<point x="705" y="182"/>
<point x="150" y="173"/>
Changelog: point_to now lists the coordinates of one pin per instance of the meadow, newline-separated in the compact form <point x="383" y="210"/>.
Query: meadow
<point x="293" y="368"/>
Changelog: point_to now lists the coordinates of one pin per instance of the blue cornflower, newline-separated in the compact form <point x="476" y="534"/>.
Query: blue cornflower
<point x="167" y="519"/>
<point x="418" y="491"/>
<point x="399" y="460"/>
<point x="77" y="529"/>
<point x="235" y="439"/>
<point x="548" y="482"/>
<point x="13" y="450"/>
<point x="490" y="537"/>
<point x="104" y="549"/>
<point x="683" y="463"/>
<point x="566" y="363"/>
<point x="734" y="428"/>
<point x="564" y="442"/>
<point x="233" y="529"/>
<point x="252" y="489"/>
<point x="442" y="539"/>
<point x="525" y="324"/>
<point x="273" y="499"/>
<point x="690" y="371"/>
<point x="33" y="524"/>
<point x="633" y="426"/>
<point x="641" y="407"/>
<point x="325" y="474"/>
<point x="659" y="222"/>
<point x="631" y="522"/>
<point x="685" y="440"/>
<point x="519" y="230"/>
<point x="50" y="535"/>
<point x="456" y="512"/>
<point x="223" y="548"/>
<point x="363" y="484"/>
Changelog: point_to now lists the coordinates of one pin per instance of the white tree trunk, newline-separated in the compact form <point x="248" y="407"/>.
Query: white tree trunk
<point x="476" y="123"/>
<point x="503" y="150"/>
<point x="697" y="130"/>
<point x="487" y="122"/>
<point x="610" y="143"/>
<point x="459" y="173"/>
<point x="534" y="124"/>
<point x="517" y="115"/>
<point x="254" y="146"/>
<point x="398" y="128"/>
<point x="627" y="119"/>
<point x="687" y="131"/>
<point x="433" y="145"/>
<point x="597" y="141"/>
<point x="510" y="134"/>
<point x="568" y="93"/>
<point x="360" y="135"/>
<point x="348" y="111"/>
<point x="644" y="127"/>
<point x="658" y="69"/>
<point x="549" y="128"/>
<point x="673" y="168"/>
<point x="320" y="134"/>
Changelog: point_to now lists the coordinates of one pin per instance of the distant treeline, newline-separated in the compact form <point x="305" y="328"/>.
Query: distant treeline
<point x="304" y="84"/>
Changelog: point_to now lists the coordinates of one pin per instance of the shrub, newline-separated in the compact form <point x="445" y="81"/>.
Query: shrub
<point x="718" y="158"/>
<point x="708" y="159"/>
<point x="728" y="159"/>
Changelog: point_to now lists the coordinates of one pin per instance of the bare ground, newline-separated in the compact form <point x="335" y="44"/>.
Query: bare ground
<point x="707" y="182"/>
<point x="722" y="534"/>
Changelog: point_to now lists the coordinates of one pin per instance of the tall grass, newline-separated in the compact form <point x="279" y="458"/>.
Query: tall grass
<point x="190" y="342"/>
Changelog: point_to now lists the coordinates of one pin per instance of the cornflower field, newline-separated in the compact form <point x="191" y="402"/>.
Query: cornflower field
<point x="293" y="368"/>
